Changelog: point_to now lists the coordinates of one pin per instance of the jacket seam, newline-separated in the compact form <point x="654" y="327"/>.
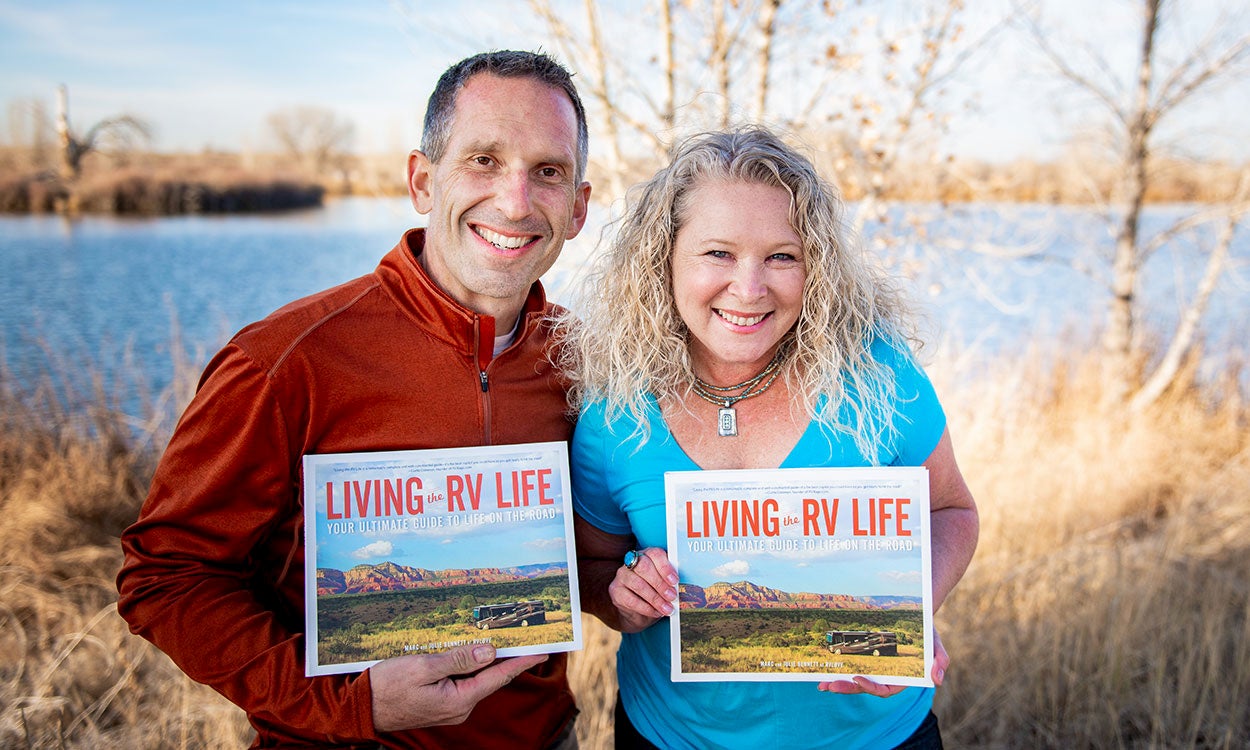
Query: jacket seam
<point x="295" y="342"/>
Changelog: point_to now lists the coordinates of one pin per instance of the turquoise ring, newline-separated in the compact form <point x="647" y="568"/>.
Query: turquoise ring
<point x="631" y="559"/>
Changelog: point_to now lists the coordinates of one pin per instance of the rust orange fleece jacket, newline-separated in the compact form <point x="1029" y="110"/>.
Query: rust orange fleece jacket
<point x="214" y="569"/>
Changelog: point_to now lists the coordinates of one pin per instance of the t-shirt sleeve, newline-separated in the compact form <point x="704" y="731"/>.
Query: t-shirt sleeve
<point x="919" y="419"/>
<point x="590" y="466"/>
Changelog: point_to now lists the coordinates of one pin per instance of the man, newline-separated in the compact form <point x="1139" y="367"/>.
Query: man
<point x="442" y="346"/>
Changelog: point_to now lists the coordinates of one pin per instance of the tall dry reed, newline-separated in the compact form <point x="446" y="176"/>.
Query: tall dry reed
<point x="1108" y="604"/>
<point x="592" y="675"/>
<point x="71" y="675"/>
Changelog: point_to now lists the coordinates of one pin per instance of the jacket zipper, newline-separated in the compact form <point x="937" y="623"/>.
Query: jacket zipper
<point x="481" y="374"/>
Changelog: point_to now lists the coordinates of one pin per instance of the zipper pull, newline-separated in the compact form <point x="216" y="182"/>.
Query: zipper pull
<point x="482" y="374"/>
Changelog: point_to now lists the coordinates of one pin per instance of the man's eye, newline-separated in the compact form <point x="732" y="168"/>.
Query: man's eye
<point x="484" y="161"/>
<point x="549" y="172"/>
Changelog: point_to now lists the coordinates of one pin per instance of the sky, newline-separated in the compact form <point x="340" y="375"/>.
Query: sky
<point x="207" y="75"/>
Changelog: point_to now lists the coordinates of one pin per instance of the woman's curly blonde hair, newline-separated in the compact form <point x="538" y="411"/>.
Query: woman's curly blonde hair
<point x="631" y="341"/>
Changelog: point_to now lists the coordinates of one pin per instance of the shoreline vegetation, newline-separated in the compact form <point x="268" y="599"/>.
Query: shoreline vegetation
<point x="164" y="191"/>
<point x="1108" y="604"/>
<point x="155" y="184"/>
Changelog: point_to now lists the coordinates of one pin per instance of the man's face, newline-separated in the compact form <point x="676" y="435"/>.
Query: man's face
<point x="503" y="198"/>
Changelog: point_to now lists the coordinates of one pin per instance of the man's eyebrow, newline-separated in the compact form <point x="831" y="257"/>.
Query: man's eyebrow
<point x="564" y="159"/>
<point x="477" y="146"/>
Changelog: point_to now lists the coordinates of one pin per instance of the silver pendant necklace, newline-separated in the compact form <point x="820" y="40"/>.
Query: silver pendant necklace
<point x="720" y="395"/>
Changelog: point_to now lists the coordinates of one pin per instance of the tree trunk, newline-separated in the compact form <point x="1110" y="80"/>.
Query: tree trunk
<point x="768" y="21"/>
<point x="720" y="60"/>
<point x="1118" y="338"/>
<point x="69" y="152"/>
<point x="668" y="110"/>
<point x="1183" y="339"/>
<point x="616" y="162"/>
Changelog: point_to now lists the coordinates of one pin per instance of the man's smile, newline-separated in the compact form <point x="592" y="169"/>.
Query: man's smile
<point x="503" y="241"/>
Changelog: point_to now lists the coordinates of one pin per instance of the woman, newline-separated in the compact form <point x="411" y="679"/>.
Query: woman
<point x="733" y="325"/>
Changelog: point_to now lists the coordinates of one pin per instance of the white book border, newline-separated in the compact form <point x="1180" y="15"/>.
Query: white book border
<point x="557" y="456"/>
<point x="730" y="484"/>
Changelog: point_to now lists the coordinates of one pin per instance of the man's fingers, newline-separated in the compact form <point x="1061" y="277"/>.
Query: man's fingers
<point x="490" y="679"/>
<point x="429" y="689"/>
<point x="430" y="668"/>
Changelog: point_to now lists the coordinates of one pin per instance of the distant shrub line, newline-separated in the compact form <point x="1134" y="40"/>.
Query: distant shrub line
<point x="139" y="194"/>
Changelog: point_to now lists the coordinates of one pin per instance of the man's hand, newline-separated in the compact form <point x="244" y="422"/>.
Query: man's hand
<point x="431" y="689"/>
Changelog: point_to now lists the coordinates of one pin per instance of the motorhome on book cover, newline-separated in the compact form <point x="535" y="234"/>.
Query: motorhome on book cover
<point x="524" y="614"/>
<point x="421" y="551"/>
<point x="861" y="642"/>
<point x="801" y="575"/>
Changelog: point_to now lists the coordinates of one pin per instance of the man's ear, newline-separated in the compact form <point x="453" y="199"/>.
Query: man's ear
<point x="581" y="204"/>
<point x="420" y="177"/>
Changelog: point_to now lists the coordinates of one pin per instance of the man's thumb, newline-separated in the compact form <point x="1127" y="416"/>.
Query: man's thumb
<point x="466" y="659"/>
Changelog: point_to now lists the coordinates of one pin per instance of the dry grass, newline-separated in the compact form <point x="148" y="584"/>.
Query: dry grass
<point x="592" y="674"/>
<point x="1109" y="601"/>
<point x="1108" y="605"/>
<point x="71" y="675"/>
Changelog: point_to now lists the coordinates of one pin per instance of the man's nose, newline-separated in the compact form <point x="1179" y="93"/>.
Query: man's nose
<point x="513" y="195"/>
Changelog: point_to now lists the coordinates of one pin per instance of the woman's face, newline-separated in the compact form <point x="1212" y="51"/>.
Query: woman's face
<point x="738" y="277"/>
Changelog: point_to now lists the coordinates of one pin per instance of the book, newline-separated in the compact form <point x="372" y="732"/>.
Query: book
<point x="801" y="575"/>
<point x="416" y="552"/>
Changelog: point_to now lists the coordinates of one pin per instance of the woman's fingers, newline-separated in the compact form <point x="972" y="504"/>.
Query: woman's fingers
<point x="649" y="588"/>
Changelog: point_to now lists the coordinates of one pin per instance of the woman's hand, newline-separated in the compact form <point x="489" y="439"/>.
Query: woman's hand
<point x="941" y="660"/>
<point x="646" y="592"/>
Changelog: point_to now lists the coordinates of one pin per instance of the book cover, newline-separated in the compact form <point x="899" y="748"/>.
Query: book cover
<point x="801" y="574"/>
<point x="412" y="552"/>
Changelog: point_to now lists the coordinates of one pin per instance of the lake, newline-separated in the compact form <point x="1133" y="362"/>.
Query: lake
<point x="107" y="294"/>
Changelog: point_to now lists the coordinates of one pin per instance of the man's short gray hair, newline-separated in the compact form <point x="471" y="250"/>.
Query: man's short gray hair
<point x="441" y="108"/>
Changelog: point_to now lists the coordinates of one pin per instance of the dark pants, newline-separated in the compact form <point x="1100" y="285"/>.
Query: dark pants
<point x="926" y="737"/>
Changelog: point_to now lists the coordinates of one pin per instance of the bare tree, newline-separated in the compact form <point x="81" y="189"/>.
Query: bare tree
<point x="31" y="133"/>
<point x="893" y="82"/>
<point x="1134" y="110"/>
<point x="315" y="137"/>
<point x="864" y="90"/>
<point x="600" y="88"/>
<point x="121" y="133"/>
<point x="764" y="61"/>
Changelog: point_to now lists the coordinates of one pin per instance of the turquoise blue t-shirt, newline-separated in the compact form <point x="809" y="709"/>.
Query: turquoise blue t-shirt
<point x="619" y="488"/>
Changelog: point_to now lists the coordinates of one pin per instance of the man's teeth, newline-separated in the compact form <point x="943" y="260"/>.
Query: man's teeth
<point x="503" y="241"/>
<point x="740" y="321"/>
